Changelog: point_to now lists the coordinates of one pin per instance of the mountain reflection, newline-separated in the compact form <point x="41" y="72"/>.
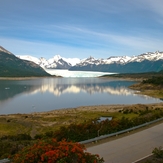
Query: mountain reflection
<point x="91" y="89"/>
<point x="59" y="86"/>
<point x="9" y="90"/>
<point x="90" y="86"/>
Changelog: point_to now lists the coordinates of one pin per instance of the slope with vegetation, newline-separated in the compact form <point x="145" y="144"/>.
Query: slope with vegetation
<point x="151" y="86"/>
<point x="11" y="66"/>
<point x="150" y="83"/>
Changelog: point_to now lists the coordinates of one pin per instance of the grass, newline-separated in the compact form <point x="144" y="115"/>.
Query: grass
<point x="10" y="128"/>
<point x="41" y="123"/>
<point x="149" y="90"/>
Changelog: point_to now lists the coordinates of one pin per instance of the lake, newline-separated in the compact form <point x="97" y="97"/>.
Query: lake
<point x="45" y="94"/>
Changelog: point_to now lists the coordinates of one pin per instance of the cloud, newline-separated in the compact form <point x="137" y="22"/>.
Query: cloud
<point x="75" y="27"/>
<point x="154" y="7"/>
<point x="92" y="43"/>
<point x="47" y="50"/>
<point x="133" y="40"/>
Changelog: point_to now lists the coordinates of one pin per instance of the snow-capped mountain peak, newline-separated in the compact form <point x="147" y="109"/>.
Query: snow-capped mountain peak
<point x="58" y="62"/>
<point x="151" y="56"/>
<point x="119" y="59"/>
<point x="57" y="57"/>
<point x="72" y="61"/>
<point x="30" y="58"/>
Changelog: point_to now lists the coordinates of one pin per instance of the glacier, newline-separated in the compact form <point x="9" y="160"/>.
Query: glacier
<point x="67" y="73"/>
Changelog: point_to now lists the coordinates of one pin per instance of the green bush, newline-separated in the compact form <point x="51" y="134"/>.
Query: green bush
<point x="158" y="152"/>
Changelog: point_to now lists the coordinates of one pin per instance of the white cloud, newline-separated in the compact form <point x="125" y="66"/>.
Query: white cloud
<point x="152" y="6"/>
<point x="82" y="28"/>
<point x="133" y="41"/>
<point x="47" y="50"/>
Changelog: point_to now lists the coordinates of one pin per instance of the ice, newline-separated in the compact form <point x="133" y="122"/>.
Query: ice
<point x="67" y="73"/>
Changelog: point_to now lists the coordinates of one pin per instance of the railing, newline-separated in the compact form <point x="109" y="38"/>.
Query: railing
<point x="5" y="161"/>
<point x="119" y="132"/>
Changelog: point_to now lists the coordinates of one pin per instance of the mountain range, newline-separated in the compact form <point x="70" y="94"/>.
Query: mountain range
<point x="12" y="66"/>
<point x="146" y="62"/>
<point x="57" y="62"/>
<point x="22" y="66"/>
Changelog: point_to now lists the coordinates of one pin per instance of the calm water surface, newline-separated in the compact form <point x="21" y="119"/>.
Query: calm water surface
<point x="45" y="94"/>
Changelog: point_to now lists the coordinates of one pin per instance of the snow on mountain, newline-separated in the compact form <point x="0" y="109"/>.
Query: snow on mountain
<point x="43" y="62"/>
<point x="30" y="58"/>
<point x="58" y="62"/>
<point x="90" y="61"/>
<point x="56" y="58"/>
<point x="120" y="60"/>
<point x="147" y="56"/>
<point x="110" y="60"/>
<point x="72" y="61"/>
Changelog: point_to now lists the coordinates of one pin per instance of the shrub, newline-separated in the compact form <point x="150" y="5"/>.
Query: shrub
<point x="52" y="151"/>
<point x="158" y="152"/>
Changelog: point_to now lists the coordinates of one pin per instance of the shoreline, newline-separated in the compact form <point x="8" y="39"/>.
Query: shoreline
<point x="27" y="78"/>
<point x="40" y="122"/>
<point x="93" y="108"/>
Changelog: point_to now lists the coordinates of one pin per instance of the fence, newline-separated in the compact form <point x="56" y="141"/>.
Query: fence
<point x="5" y="161"/>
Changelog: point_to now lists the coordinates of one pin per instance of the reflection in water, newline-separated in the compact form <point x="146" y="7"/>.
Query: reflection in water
<point x="54" y="93"/>
<point x="58" y="90"/>
<point x="60" y="86"/>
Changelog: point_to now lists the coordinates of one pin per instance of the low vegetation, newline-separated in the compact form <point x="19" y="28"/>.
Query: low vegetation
<point x="52" y="151"/>
<point x="74" y="125"/>
<point x="157" y="81"/>
<point x="152" y="87"/>
<point x="136" y="76"/>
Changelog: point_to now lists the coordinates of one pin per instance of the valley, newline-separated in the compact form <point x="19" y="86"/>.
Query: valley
<point x="65" y="123"/>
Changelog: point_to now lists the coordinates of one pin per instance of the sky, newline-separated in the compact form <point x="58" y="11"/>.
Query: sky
<point x="81" y="28"/>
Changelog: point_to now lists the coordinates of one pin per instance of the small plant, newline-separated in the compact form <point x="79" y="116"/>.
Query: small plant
<point x="126" y="111"/>
<point x="158" y="152"/>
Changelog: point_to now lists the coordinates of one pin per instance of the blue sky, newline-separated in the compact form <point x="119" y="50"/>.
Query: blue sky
<point x="81" y="28"/>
